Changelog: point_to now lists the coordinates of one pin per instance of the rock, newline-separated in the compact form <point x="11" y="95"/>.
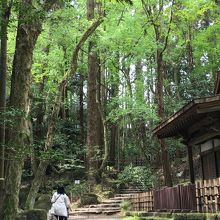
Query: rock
<point x="34" y="214"/>
<point x="88" y="199"/>
<point x="43" y="202"/>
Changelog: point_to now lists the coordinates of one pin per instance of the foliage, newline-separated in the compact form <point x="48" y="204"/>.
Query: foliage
<point x="125" y="206"/>
<point x="132" y="175"/>
<point x="78" y="190"/>
<point x="126" y="44"/>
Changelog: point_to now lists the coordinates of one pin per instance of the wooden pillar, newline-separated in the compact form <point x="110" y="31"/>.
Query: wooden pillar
<point x="191" y="167"/>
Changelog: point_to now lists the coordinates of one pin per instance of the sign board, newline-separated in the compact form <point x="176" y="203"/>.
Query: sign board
<point x="77" y="181"/>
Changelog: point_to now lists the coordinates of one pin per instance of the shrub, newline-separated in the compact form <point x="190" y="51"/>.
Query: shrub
<point x="77" y="190"/>
<point x="136" y="176"/>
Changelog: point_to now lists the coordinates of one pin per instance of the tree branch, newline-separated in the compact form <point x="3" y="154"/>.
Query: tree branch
<point x="169" y="29"/>
<point x="82" y="40"/>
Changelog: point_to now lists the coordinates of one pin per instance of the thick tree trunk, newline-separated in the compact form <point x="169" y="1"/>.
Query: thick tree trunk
<point x="92" y="132"/>
<point x="5" y="11"/>
<point x="27" y="33"/>
<point x="95" y="129"/>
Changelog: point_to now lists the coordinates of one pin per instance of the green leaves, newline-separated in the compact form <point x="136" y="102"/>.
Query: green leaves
<point x="133" y="111"/>
<point x="132" y="175"/>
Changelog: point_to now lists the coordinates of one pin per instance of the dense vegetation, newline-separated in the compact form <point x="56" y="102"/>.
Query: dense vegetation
<point x="83" y="84"/>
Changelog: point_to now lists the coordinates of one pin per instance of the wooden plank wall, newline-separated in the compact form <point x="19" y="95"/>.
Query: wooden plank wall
<point x="207" y="195"/>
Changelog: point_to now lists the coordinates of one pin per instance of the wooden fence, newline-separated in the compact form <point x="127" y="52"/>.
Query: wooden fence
<point x="143" y="201"/>
<point x="179" y="198"/>
<point x="207" y="195"/>
<point x="204" y="196"/>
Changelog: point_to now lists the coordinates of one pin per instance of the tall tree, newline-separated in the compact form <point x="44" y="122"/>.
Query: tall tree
<point x="28" y="30"/>
<point x="154" y="12"/>
<point x="4" y="19"/>
<point x="114" y="91"/>
<point x="94" y="129"/>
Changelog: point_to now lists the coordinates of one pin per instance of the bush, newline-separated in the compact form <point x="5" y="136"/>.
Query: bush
<point x="78" y="190"/>
<point x="88" y="199"/>
<point x="125" y="206"/>
<point x="136" y="176"/>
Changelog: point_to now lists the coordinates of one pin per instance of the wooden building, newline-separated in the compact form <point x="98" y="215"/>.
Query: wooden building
<point x="198" y="123"/>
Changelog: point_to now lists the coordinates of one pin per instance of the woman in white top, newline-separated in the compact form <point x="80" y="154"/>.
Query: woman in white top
<point x="60" y="204"/>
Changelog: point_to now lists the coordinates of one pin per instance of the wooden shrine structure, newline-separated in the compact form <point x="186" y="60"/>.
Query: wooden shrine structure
<point x="198" y="123"/>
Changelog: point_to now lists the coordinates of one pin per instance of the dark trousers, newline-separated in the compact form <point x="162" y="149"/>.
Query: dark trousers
<point x="61" y="217"/>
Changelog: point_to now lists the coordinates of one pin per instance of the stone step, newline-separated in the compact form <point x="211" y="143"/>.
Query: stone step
<point x="122" y="197"/>
<point x="132" y="192"/>
<point x="109" y="201"/>
<point x="129" y="190"/>
<point x="106" y="210"/>
<point x="111" y="212"/>
<point x="125" y="195"/>
<point x="95" y="209"/>
<point x="107" y="207"/>
<point x="102" y="205"/>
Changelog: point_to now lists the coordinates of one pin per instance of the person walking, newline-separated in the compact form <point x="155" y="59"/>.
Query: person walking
<point x="60" y="204"/>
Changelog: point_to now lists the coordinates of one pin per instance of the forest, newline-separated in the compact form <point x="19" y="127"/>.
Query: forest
<point x="83" y="83"/>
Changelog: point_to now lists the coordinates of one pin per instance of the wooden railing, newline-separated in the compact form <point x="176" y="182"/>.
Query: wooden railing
<point x="207" y="195"/>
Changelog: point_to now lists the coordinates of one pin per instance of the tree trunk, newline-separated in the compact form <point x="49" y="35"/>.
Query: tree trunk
<point x="114" y="126"/>
<point x="190" y="50"/>
<point x="95" y="129"/>
<point x="92" y="132"/>
<point x="99" y="103"/>
<point x="5" y="11"/>
<point x="160" y="103"/>
<point x="48" y="144"/>
<point x="30" y="201"/>
<point x="27" y="33"/>
<point x="64" y="105"/>
<point x="81" y="110"/>
<point x="140" y="127"/>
